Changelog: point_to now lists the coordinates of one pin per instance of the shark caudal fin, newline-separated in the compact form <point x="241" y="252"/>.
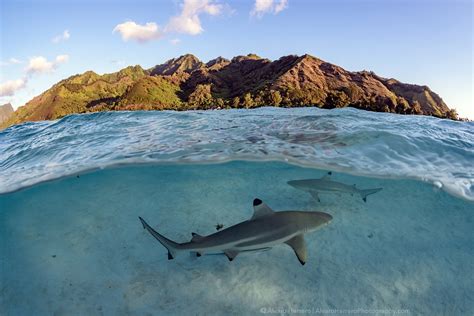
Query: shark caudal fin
<point x="364" y="193"/>
<point x="172" y="246"/>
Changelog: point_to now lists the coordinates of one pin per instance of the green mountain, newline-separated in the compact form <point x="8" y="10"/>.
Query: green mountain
<point x="185" y="83"/>
<point x="6" y="111"/>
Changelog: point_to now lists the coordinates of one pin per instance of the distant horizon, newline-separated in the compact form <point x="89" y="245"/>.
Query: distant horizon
<point x="421" y="42"/>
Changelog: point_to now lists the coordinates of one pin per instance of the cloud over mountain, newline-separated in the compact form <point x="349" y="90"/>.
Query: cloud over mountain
<point x="9" y="87"/>
<point x="40" y="64"/>
<point x="186" y="22"/>
<point x="141" y="33"/>
<point x="262" y="7"/>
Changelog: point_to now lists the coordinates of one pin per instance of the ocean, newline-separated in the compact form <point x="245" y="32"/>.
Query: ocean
<point x="71" y="192"/>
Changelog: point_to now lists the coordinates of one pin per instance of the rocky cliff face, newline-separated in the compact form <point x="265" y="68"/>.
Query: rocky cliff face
<point x="6" y="111"/>
<point x="185" y="83"/>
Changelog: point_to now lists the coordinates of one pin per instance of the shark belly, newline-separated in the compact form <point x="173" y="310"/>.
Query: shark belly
<point x="256" y="244"/>
<point x="334" y="187"/>
<point x="244" y="245"/>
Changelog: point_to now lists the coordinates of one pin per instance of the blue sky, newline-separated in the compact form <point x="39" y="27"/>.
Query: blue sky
<point x="417" y="41"/>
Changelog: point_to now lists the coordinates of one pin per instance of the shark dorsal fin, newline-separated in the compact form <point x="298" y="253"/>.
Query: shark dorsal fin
<point x="327" y="176"/>
<point x="196" y="237"/>
<point x="260" y="209"/>
<point x="299" y="247"/>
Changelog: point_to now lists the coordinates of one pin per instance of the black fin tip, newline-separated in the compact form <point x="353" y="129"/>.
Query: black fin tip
<point x="143" y="222"/>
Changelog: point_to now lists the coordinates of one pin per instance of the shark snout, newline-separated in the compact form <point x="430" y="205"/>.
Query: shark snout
<point x="316" y="220"/>
<point x="293" y="183"/>
<point x="326" y="217"/>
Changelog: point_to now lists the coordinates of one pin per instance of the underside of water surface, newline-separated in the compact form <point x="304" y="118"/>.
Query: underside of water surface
<point x="75" y="245"/>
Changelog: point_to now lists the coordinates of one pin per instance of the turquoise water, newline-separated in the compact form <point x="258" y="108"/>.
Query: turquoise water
<point x="72" y="191"/>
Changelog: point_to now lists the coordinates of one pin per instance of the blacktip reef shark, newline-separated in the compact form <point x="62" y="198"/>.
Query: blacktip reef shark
<point x="264" y="230"/>
<point x="325" y="184"/>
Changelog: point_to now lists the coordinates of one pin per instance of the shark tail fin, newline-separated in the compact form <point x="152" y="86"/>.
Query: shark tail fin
<point x="364" y="193"/>
<point x="172" y="246"/>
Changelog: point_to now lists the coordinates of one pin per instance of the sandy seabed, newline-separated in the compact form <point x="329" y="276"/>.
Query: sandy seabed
<point x="75" y="246"/>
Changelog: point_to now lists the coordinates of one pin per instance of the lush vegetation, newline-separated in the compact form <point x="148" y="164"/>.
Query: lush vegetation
<point x="244" y="82"/>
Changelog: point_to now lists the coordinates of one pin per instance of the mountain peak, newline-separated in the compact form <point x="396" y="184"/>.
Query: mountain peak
<point x="6" y="110"/>
<point x="308" y="57"/>
<point x="240" y="58"/>
<point x="183" y="64"/>
<point x="188" y="57"/>
<point x="217" y="63"/>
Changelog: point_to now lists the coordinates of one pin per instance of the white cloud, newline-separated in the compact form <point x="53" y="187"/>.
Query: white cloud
<point x="61" y="59"/>
<point x="9" y="88"/>
<point x="11" y="61"/>
<point x="280" y="6"/>
<point x="175" y="41"/>
<point x="188" y="21"/>
<point x="14" y="61"/>
<point x="262" y="7"/>
<point x="140" y="33"/>
<point x="36" y="65"/>
<point x="40" y="64"/>
<point x="61" y="37"/>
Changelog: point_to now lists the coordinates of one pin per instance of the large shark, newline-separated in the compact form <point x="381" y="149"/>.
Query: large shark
<point x="325" y="184"/>
<point x="265" y="229"/>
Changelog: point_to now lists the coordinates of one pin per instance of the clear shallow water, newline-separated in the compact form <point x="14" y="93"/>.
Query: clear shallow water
<point x="75" y="246"/>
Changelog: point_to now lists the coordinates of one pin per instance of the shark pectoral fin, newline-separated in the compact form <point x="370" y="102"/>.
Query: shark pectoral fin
<point x="260" y="209"/>
<point x="299" y="247"/>
<point x="231" y="254"/>
<point x="196" y="237"/>
<point x="364" y="193"/>
<point x="315" y="195"/>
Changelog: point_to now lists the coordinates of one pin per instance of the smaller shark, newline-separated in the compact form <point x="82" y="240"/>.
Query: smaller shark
<point x="264" y="230"/>
<point x="325" y="184"/>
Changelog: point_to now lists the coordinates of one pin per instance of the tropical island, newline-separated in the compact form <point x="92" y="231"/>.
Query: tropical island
<point x="186" y="83"/>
